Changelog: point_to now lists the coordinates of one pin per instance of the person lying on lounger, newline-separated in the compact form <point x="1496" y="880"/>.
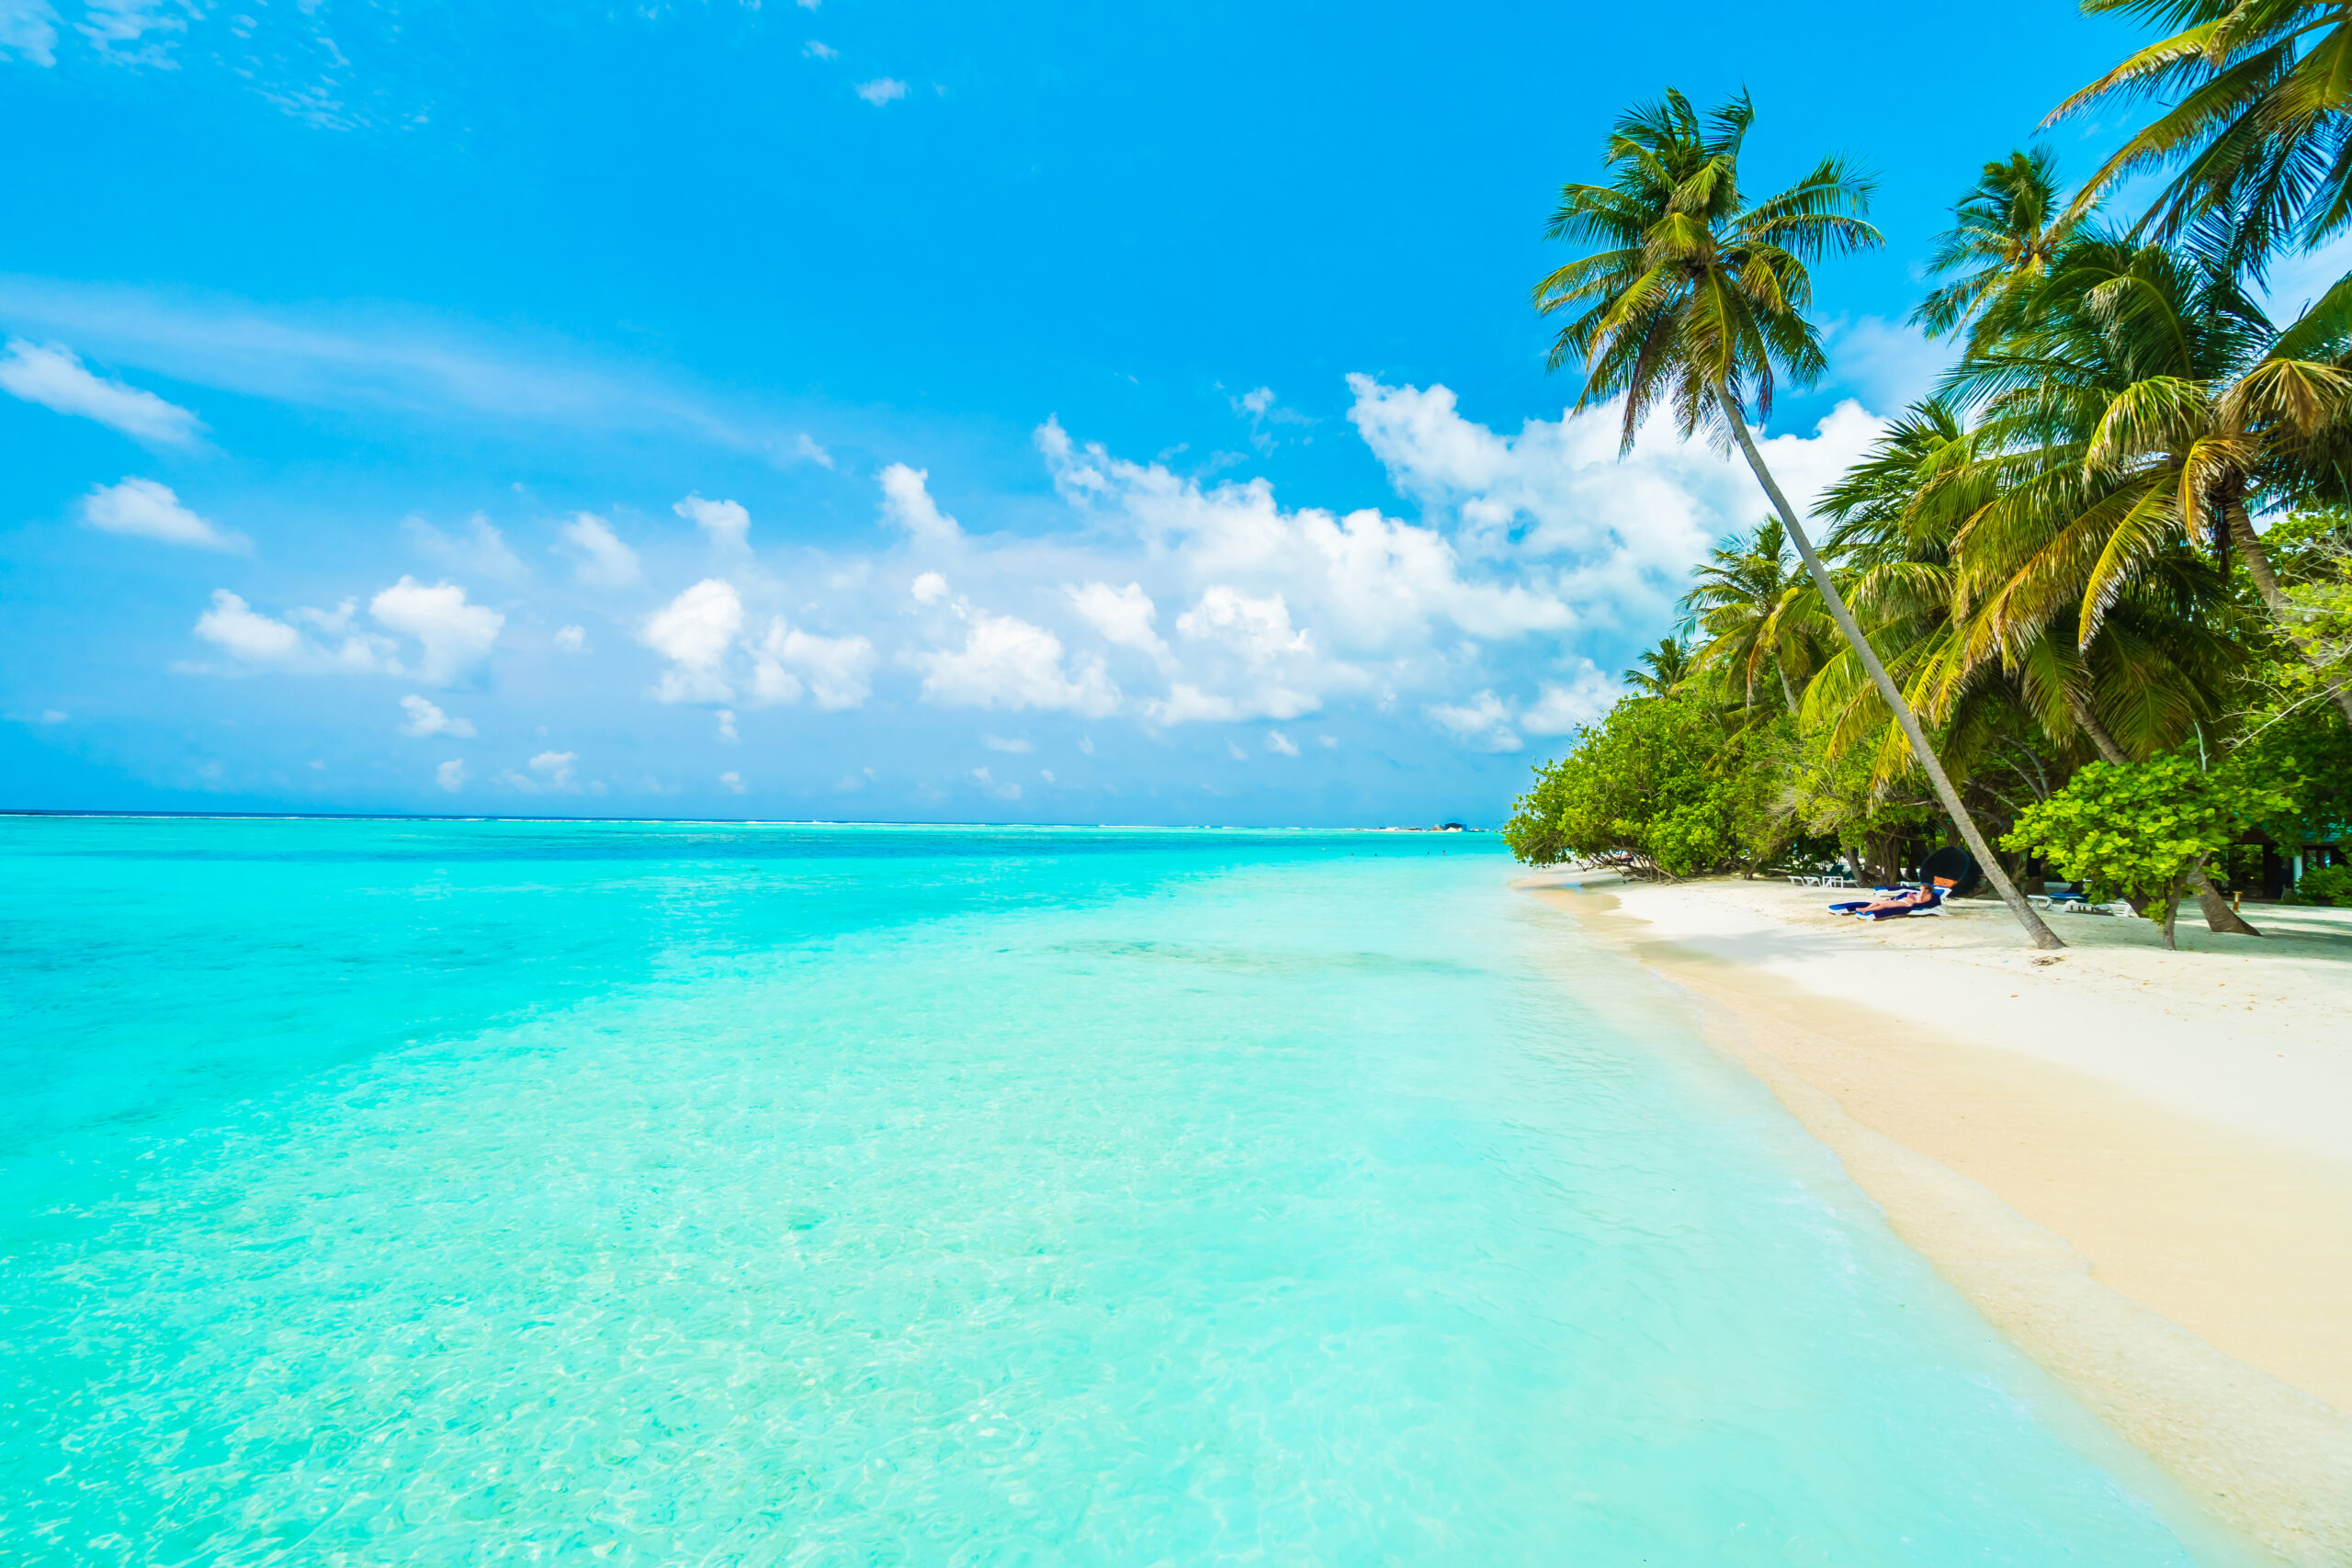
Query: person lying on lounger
<point x="1901" y="901"/>
<point x="1946" y="870"/>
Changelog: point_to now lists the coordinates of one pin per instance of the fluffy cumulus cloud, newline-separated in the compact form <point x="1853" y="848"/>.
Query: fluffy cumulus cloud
<point x="55" y="377"/>
<point x="881" y="90"/>
<point x="452" y="636"/>
<point x="424" y="717"/>
<point x="456" y="635"/>
<point x="1613" y="537"/>
<point x="599" y="558"/>
<point x="727" y="522"/>
<point x="1481" y="615"/>
<point x="695" y="632"/>
<point x="1006" y="662"/>
<point x="836" y="671"/>
<point x="147" y="510"/>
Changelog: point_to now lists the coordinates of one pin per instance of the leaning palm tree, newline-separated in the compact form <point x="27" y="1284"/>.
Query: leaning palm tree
<point x="2257" y="122"/>
<point x="2005" y="231"/>
<point x="1697" y="298"/>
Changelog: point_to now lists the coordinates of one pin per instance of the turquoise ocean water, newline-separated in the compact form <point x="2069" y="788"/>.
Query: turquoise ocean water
<point x="435" y="1192"/>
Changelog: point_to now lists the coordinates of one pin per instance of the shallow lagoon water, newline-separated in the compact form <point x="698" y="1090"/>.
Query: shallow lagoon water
<point x="438" y="1193"/>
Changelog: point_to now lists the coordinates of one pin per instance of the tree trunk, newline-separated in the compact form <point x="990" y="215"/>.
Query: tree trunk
<point x="2043" y="936"/>
<point x="2266" y="583"/>
<point x="2216" y="910"/>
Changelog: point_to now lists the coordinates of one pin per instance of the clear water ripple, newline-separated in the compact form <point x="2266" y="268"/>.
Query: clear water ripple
<point x="430" y="1193"/>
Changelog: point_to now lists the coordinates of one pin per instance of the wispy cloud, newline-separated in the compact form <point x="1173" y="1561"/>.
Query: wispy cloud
<point x="55" y="377"/>
<point x="881" y="90"/>
<point x="148" y="510"/>
<point x="29" y="29"/>
<point x="373" y="359"/>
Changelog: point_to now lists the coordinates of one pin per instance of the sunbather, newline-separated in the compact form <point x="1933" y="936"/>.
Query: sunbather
<point x="1895" y="901"/>
<point x="1946" y="870"/>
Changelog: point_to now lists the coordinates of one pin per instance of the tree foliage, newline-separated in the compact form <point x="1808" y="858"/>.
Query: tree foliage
<point x="1657" y="784"/>
<point x="2139" y="831"/>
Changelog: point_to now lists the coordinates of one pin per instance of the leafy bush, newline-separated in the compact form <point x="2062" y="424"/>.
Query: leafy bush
<point x="1657" y="781"/>
<point x="2139" y="831"/>
<point x="2325" y="884"/>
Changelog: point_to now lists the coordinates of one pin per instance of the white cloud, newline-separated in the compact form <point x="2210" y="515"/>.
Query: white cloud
<point x="837" y="671"/>
<point x="727" y="725"/>
<point x="727" y="522"/>
<point x="600" y="560"/>
<point x="1002" y="743"/>
<point x="234" y="626"/>
<point x="1007" y="662"/>
<point x="694" y="632"/>
<point x="805" y="448"/>
<point x="731" y="782"/>
<point x="262" y="642"/>
<point x="906" y="502"/>
<point x="480" y="552"/>
<point x="816" y="51"/>
<point x="928" y="589"/>
<point x="28" y="28"/>
<point x="1560" y="707"/>
<point x="1483" y="722"/>
<point x="1187" y="704"/>
<point x="451" y="774"/>
<point x="881" y="90"/>
<point x="1281" y="744"/>
<point x="1612" y="539"/>
<point x="1003" y="789"/>
<point x="426" y="718"/>
<point x="108" y="24"/>
<point x="151" y="511"/>
<point x="555" y="776"/>
<point x="572" y="640"/>
<point x="455" y="635"/>
<point x="1121" y="615"/>
<point x="1259" y="629"/>
<point x="53" y="376"/>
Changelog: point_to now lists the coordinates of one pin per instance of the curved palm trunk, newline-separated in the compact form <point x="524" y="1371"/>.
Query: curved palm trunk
<point x="2218" y="914"/>
<point x="2266" y="583"/>
<point x="2042" y="935"/>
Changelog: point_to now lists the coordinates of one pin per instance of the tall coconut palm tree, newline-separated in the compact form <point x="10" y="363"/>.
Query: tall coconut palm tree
<point x="1752" y="603"/>
<point x="1697" y="296"/>
<point x="1664" y="667"/>
<point x="2258" y="122"/>
<point x="2147" y="404"/>
<point x="2005" y="232"/>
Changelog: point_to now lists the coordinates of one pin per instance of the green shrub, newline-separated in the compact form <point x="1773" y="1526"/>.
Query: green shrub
<point x="1657" y="780"/>
<point x="2142" y="829"/>
<point x="2329" y="885"/>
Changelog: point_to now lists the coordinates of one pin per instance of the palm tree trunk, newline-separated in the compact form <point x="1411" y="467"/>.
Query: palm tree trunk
<point x="2043" y="936"/>
<point x="2218" y="914"/>
<point x="2266" y="583"/>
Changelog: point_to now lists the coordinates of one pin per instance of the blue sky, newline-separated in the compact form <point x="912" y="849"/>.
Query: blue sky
<point x="875" y="411"/>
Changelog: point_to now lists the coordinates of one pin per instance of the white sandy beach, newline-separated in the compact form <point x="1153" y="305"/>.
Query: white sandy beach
<point x="2138" y="1164"/>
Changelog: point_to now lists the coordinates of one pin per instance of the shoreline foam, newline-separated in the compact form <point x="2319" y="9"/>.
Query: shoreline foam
<point x="2143" y="1191"/>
